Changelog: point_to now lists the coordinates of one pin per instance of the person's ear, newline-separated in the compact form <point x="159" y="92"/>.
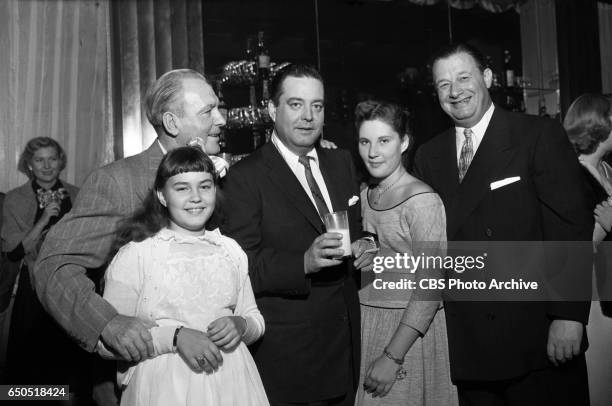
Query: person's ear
<point x="488" y="77"/>
<point x="405" y="143"/>
<point x="170" y="123"/>
<point x="161" y="198"/>
<point x="272" y="110"/>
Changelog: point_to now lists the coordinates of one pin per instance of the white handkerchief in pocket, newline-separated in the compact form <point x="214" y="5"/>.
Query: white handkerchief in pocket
<point x="500" y="183"/>
<point x="353" y="201"/>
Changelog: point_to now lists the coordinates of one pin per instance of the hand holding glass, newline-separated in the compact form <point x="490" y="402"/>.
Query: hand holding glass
<point x="337" y="222"/>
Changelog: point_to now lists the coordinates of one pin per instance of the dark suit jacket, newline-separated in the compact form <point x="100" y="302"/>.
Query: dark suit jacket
<point x="312" y="322"/>
<point x="493" y="341"/>
<point x="82" y="240"/>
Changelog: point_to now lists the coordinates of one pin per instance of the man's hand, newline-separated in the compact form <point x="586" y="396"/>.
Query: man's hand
<point x="322" y="252"/>
<point x="564" y="338"/>
<point x="327" y="144"/>
<point x="364" y="251"/>
<point x="198" y="351"/>
<point x="129" y="337"/>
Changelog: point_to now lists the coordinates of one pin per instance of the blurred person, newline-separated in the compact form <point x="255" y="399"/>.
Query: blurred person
<point x="588" y="124"/>
<point x="276" y="199"/>
<point x="404" y="349"/>
<point x="194" y="283"/>
<point x="29" y="213"/>
<point x="181" y="106"/>
<point x="502" y="178"/>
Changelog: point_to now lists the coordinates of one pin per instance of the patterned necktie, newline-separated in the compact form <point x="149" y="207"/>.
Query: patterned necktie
<point x="314" y="188"/>
<point x="467" y="153"/>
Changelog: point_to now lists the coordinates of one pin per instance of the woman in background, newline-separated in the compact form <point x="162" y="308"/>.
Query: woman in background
<point x="588" y="124"/>
<point x="404" y="358"/>
<point x="29" y="211"/>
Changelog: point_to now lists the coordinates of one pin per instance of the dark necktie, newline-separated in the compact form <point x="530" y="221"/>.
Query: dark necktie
<point x="314" y="188"/>
<point x="467" y="153"/>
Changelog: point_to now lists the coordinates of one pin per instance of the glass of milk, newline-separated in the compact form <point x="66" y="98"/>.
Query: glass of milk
<point x="337" y="222"/>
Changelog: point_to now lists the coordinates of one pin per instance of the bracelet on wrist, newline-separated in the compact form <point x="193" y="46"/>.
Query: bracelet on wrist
<point x="398" y="361"/>
<point x="244" y="326"/>
<point x="175" y="338"/>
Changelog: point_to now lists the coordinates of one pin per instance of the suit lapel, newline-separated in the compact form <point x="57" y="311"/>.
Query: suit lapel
<point x="287" y="184"/>
<point x="493" y="155"/>
<point x="444" y="166"/>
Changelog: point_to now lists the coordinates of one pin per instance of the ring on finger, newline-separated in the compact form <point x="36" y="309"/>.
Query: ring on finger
<point x="201" y="360"/>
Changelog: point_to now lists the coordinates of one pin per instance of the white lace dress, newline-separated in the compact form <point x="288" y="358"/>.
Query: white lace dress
<point x="175" y="280"/>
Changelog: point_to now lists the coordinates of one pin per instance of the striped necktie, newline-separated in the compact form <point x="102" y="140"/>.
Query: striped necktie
<point x="467" y="153"/>
<point x="314" y="187"/>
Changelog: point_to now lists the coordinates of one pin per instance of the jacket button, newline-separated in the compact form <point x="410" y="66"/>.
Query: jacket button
<point x="489" y="232"/>
<point x="490" y="316"/>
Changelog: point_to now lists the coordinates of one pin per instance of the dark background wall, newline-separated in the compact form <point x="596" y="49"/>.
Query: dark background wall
<point x="365" y="46"/>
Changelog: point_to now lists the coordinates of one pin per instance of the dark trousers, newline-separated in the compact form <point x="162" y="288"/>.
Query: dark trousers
<point x="346" y="400"/>
<point x="565" y="385"/>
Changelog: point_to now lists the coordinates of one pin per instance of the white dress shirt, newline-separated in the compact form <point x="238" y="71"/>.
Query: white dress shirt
<point x="478" y="132"/>
<point x="300" y="171"/>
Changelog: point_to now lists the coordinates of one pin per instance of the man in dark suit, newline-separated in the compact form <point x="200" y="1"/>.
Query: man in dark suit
<point x="275" y="200"/>
<point x="181" y="105"/>
<point x="507" y="177"/>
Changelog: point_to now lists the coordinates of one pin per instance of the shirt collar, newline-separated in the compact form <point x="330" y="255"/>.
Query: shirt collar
<point x="164" y="151"/>
<point x="480" y="128"/>
<point x="289" y="156"/>
<point x="213" y="236"/>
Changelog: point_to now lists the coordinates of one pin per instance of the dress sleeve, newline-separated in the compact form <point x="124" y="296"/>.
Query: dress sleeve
<point x="123" y="290"/>
<point x="245" y="304"/>
<point x="123" y="280"/>
<point x="427" y="224"/>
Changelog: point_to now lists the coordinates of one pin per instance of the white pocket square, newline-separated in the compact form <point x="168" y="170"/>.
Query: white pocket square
<point x="353" y="201"/>
<point x="499" y="183"/>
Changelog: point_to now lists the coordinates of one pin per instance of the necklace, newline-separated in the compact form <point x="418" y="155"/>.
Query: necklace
<point x="384" y="189"/>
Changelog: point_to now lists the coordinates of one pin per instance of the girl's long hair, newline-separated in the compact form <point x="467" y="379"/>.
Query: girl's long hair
<point x="152" y="216"/>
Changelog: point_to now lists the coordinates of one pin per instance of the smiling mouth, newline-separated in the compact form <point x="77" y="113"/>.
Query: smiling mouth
<point x="196" y="210"/>
<point x="462" y="102"/>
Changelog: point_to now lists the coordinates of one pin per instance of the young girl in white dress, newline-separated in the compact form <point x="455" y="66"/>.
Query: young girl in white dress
<point x="193" y="283"/>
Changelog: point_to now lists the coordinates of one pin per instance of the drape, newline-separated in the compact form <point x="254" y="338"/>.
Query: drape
<point x="539" y="56"/>
<point x="605" y="41"/>
<point x="150" y="37"/>
<point x="494" y="6"/>
<point x="55" y="81"/>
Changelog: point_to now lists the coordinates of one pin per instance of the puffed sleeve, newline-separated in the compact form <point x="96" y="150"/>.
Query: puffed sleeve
<point x="123" y="290"/>
<point x="245" y="304"/>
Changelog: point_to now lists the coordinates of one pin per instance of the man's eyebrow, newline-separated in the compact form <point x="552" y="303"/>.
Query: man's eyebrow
<point x="207" y="107"/>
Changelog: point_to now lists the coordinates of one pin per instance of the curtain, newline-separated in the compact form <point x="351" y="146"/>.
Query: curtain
<point x="149" y="38"/>
<point x="494" y="6"/>
<point x="55" y="82"/>
<point x="605" y="39"/>
<point x="539" y="56"/>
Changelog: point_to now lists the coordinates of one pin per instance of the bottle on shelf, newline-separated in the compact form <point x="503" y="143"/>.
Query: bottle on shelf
<point x="263" y="66"/>
<point x="508" y="71"/>
<point x="250" y="52"/>
<point x="251" y="55"/>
